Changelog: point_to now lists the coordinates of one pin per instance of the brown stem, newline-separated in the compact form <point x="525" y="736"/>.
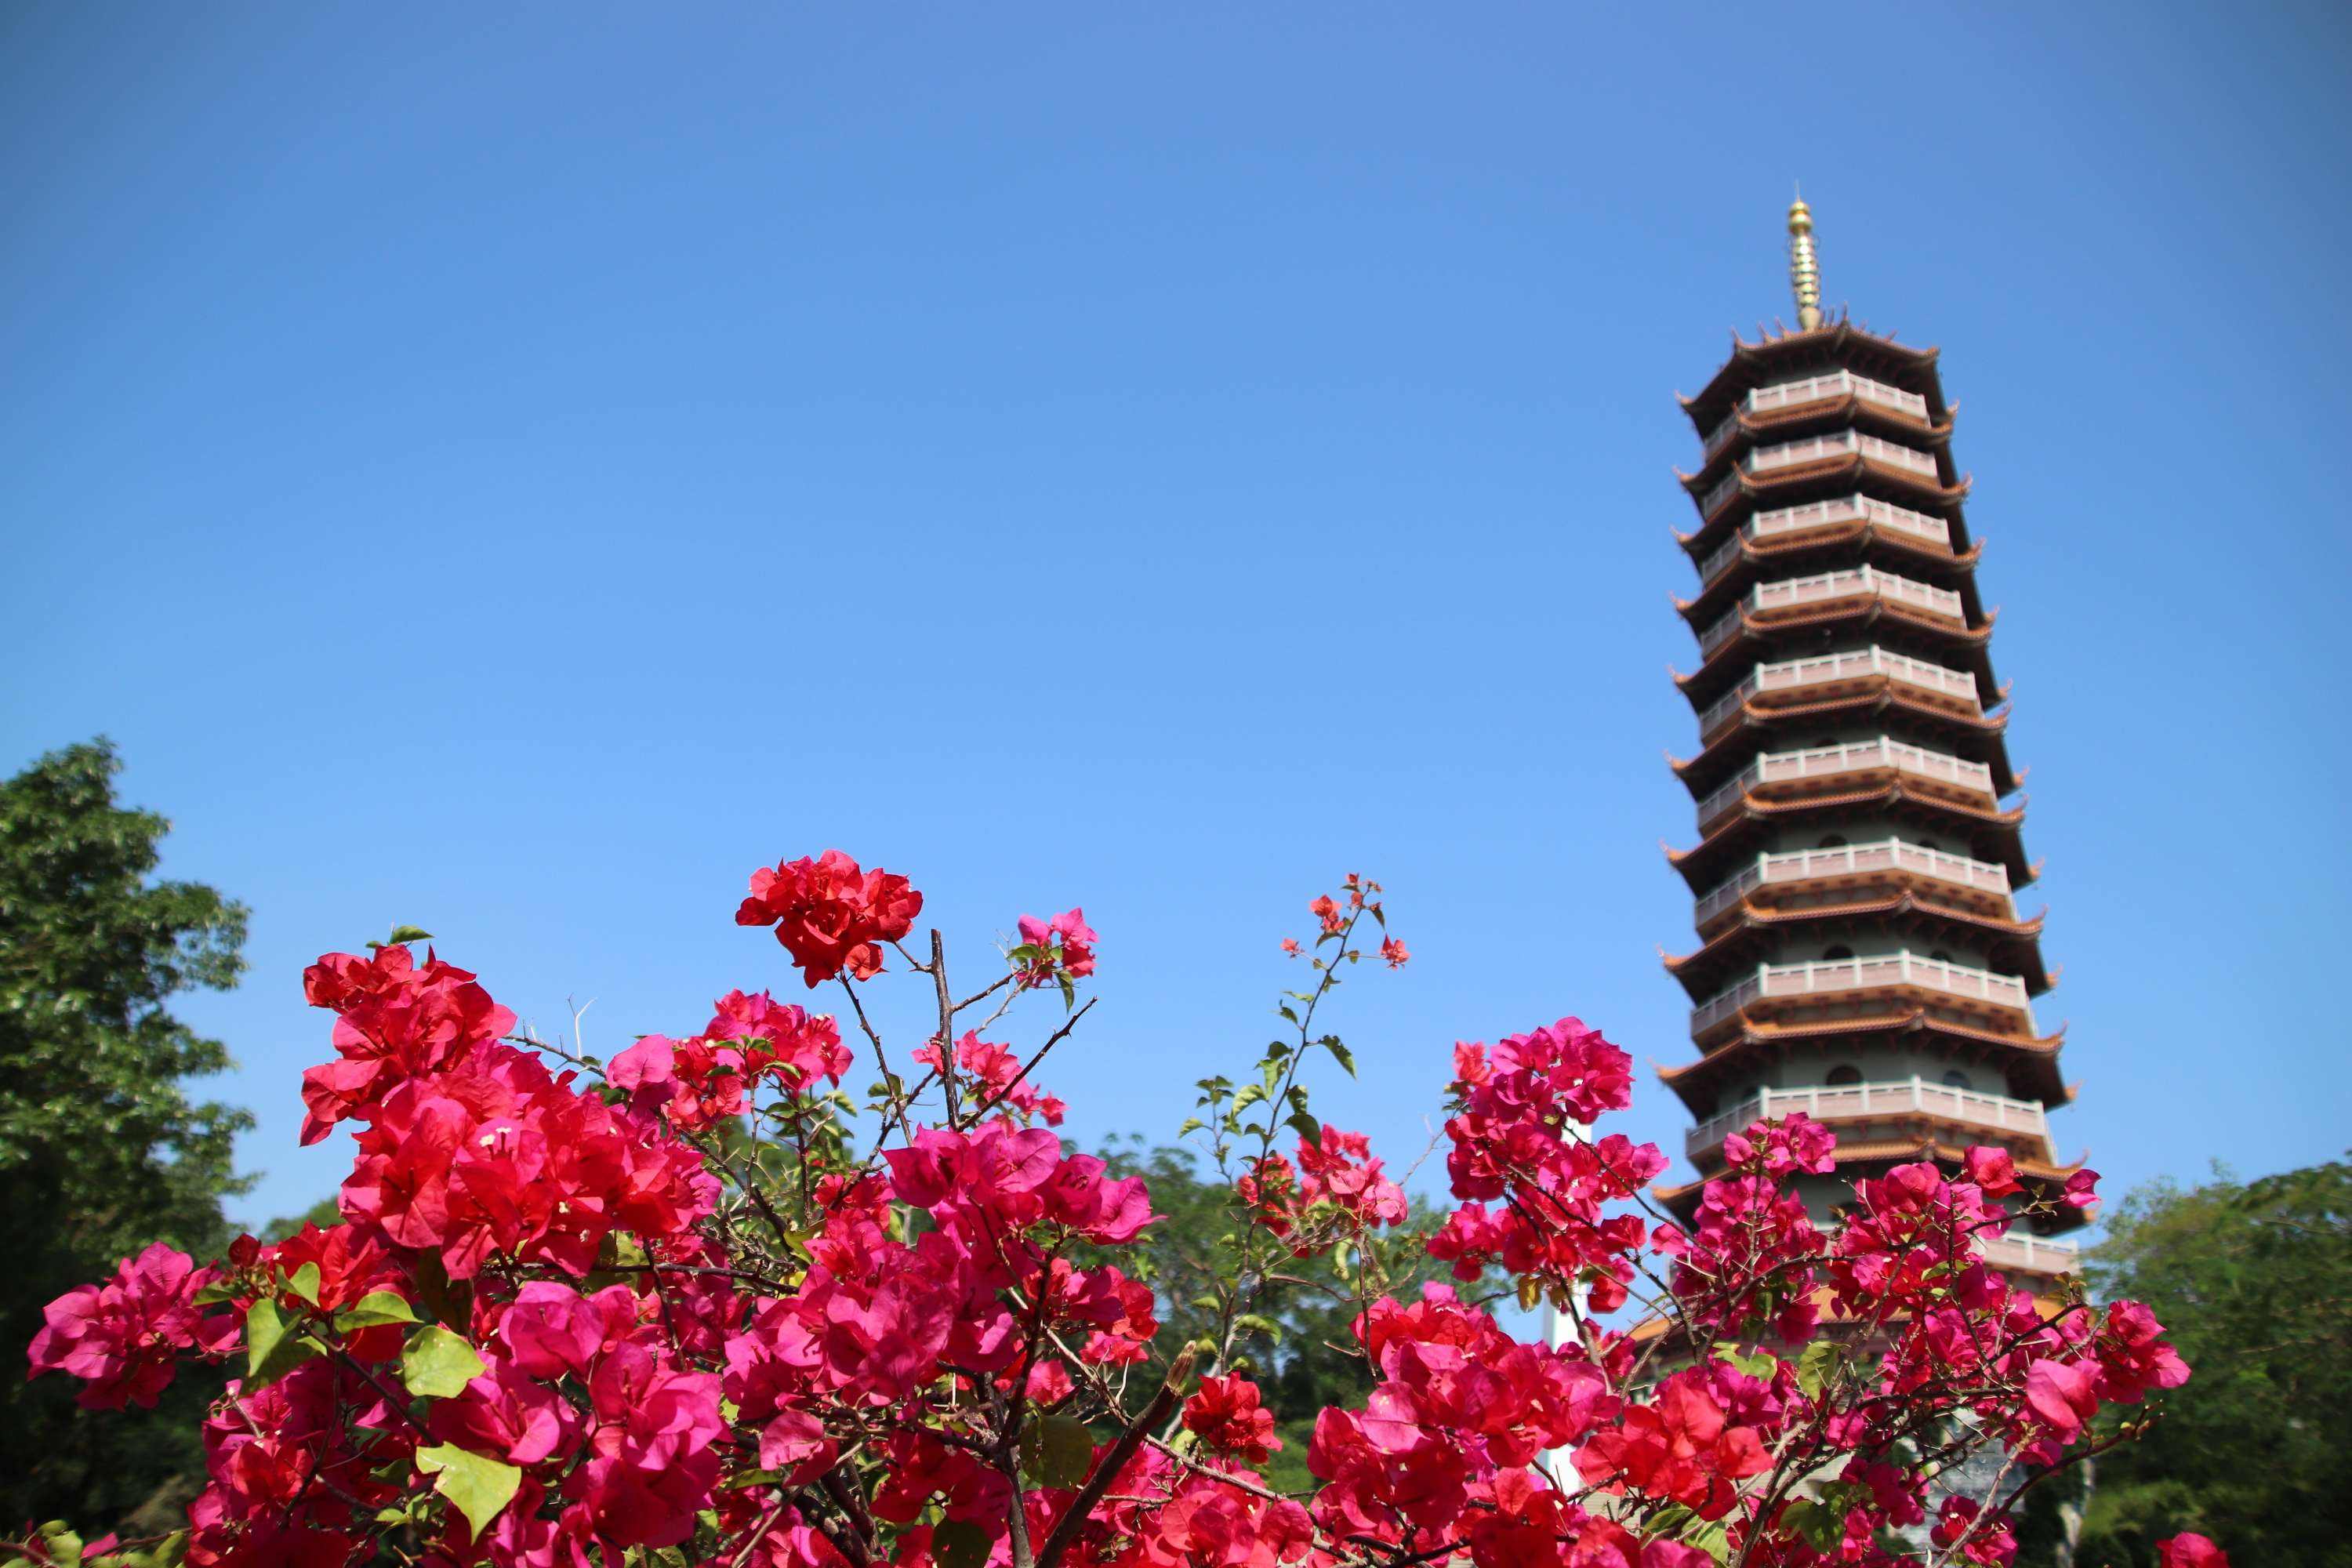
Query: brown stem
<point x="1066" y="1532"/>
<point x="1056" y="1038"/>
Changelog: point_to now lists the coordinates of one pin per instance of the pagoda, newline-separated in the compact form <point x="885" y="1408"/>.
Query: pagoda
<point x="1860" y="955"/>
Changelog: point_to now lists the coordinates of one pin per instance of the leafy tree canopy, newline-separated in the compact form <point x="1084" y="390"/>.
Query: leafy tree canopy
<point x="103" y="1150"/>
<point x="2253" y="1280"/>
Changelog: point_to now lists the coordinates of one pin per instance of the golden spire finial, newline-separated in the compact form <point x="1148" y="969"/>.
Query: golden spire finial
<point x="1804" y="265"/>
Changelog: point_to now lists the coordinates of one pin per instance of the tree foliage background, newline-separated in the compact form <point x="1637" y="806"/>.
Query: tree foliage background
<point x="102" y="1148"/>
<point x="2253" y="1280"/>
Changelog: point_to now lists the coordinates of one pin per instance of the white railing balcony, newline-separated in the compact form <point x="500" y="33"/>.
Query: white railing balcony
<point x="1836" y="384"/>
<point x="1764" y="460"/>
<point x="1850" y="860"/>
<point x="1827" y="668"/>
<point x="1824" y="514"/>
<point x="2032" y="1253"/>
<point x="1815" y="389"/>
<point x="1842" y="443"/>
<point x="1848" y="757"/>
<point x="1877" y="1101"/>
<point x="1714" y="496"/>
<point x="1794" y="593"/>
<point x="1831" y="978"/>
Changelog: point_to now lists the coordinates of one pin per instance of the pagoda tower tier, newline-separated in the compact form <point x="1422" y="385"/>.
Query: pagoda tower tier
<point x="1860" y="954"/>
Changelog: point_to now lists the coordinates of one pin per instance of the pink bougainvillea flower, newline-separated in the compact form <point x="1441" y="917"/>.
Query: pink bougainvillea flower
<point x="123" y="1337"/>
<point x="1064" y="944"/>
<point x="1992" y="1169"/>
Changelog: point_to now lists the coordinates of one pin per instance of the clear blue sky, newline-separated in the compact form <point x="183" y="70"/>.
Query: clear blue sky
<point x="515" y="473"/>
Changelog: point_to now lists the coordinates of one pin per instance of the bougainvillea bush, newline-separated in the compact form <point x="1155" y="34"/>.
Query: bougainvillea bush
<point x="706" y="1303"/>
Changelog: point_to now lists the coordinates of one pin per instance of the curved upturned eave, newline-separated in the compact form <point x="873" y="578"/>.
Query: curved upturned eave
<point x="1847" y="411"/>
<point x="1700" y="872"/>
<point x="1715" y="595"/>
<point x="2029" y="1062"/>
<point x="1833" y="342"/>
<point x="1714" y="677"/>
<point x="1942" y="491"/>
<point x="1985" y="731"/>
<point x="2019" y="940"/>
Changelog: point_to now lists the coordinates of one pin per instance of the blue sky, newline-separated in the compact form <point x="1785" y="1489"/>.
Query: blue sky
<point x="516" y="474"/>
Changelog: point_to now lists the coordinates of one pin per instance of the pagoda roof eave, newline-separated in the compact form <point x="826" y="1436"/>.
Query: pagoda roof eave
<point x="2030" y="1061"/>
<point x="1917" y="554"/>
<point x="1696" y="863"/>
<point x="1723" y="757"/>
<point x="1708" y="681"/>
<point x="1750" y="360"/>
<point x="1846" y="465"/>
<point x="1695" y="969"/>
<point x="1848" y="410"/>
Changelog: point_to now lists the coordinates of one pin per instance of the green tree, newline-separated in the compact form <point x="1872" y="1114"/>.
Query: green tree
<point x="103" y="1150"/>
<point x="2253" y="1280"/>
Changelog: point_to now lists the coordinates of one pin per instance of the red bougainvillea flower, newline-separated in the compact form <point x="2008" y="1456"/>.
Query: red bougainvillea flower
<point x="123" y="1337"/>
<point x="2189" y="1550"/>
<point x="1680" y="1445"/>
<point x="1325" y="909"/>
<point x="1226" y="1416"/>
<point x="1394" y="951"/>
<point x="1290" y="948"/>
<point x="830" y="915"/>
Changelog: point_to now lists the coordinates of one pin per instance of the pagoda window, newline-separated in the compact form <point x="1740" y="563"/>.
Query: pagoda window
<point x="1844" y="1073"/>
<point x="1832" y="954"/>
<point x="1940" y="956"/>
<point x="1957" y="1080"/>
<point x="1831" y="841"/>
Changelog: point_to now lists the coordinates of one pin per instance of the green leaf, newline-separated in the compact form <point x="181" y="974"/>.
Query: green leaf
<point x="273" y="1347"/>
<point x="1250" y="1095"/>
<point x="1817" y="1366"/>
<point x="1254" y="1322"/>
<point x="63" y="1546"/>
<point x="1822" y="1528"/>
<point x="1308" y="1128"/>
<point x="1757" y="1364"/>
<point x="476" y="1485"/>
<point x="750" y="1478"/>
<point x="1057" y="1450"/>
<point x="410" y="933"/>
<point x="1340" y="1053"/>
<point x="374" y="1311"/>
<point x="438" y="1364"/>
<point x="959" y="1543"/>
<point x="305" y="1283"/>
<point x="1191" y="1124"/>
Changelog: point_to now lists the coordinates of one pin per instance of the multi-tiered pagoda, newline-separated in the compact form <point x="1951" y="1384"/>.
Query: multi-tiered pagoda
<point x="1860" y="955"/>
